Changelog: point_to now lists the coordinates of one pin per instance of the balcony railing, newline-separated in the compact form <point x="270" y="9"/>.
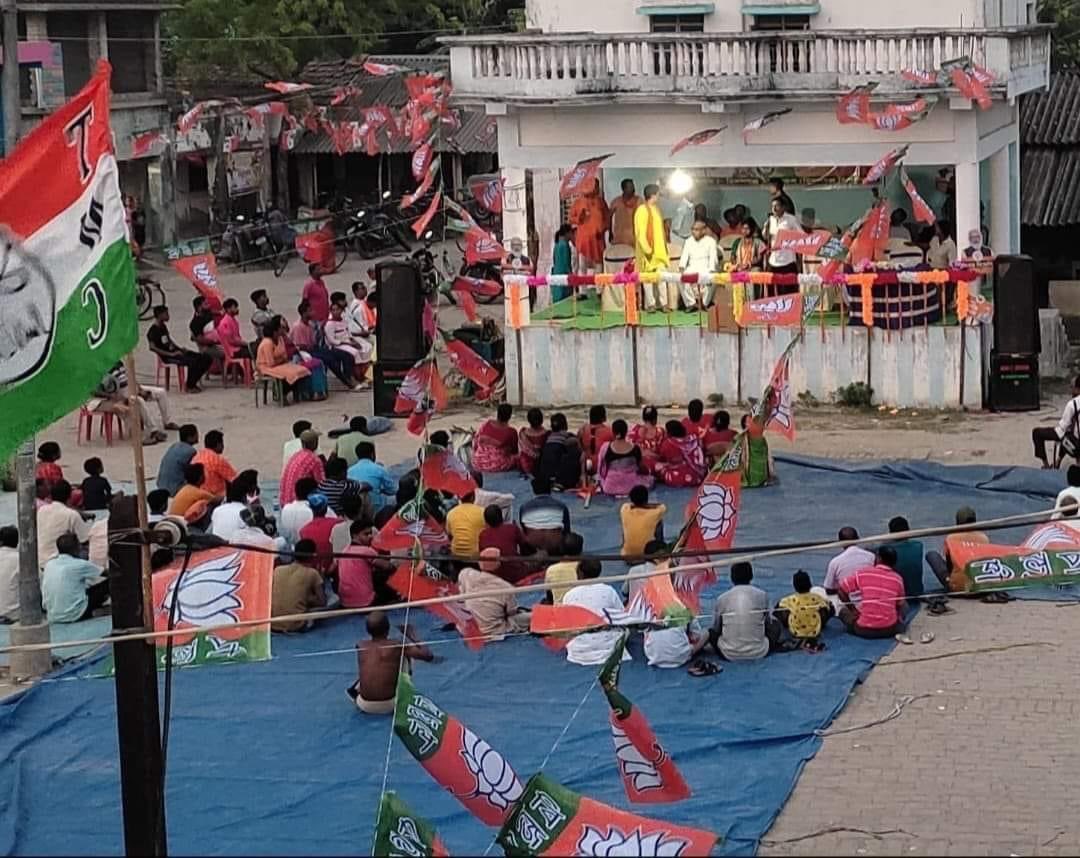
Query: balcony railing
<point x="541" y="67"/>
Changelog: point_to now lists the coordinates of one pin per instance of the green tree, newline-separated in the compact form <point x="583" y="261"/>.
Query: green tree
<point x="1066" y="39"/>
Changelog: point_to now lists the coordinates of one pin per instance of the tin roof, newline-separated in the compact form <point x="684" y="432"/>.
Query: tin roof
<point x="1050" y="153"/>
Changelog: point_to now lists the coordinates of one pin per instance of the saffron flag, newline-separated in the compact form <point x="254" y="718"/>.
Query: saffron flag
<point x="890" y="121"/>
<point x="549" y="819"/>
<point x="467" y="219"/>
<point x="345" y="93"/>
<point x="383" y="69"/>
<point x="782" y="311"/>
<point x="853" y="108"/>
<point x="779" y="413"/>
<point x="471" y="365"/>
<point x="581" y="178"/>
<point x="465" y="300"/>
<point x="403" y="530"/>
<point x="764" y="120"/>
<point x="873" y="235"/>
<point x="460" y="761"/>
<point x="802" y="243"/>
<point x="714" y="512"/>
<point x="488" y="192"/>
<point x="481" y="246"/>
<point x="286" y="87"/>
<point x="423" y="187"/>
<point x="655" y="600"/>
<point x="477" y="286"/>
<point x="221" y="587"/>
<point x="698" y="139"/>
<point x="421" y="161"/>
<point x="416" y="387"/>
<point x="401" y="833"/>
<point x="884" y="164"/>
<point x="67" y="299"/>
<point x="1052" y="535"/>
<point x="835" y="252"/>
<point x="445" y="472"/>
<point x="1048" y="567"/>
<point x="415" y="581"/>
<point x="201" y="271"/>
<point x="143" y="144"/>
<point x="921" y="78"/>
<point x="970" y="86"/>
<point x="564" y="619"/>
<point x="422" y="222"/>
<point x="909" y="108"/>
<point x="919" y="207"/>
<point x="649" y="775"/>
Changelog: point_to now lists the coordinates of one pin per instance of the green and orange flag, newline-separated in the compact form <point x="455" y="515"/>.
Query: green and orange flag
<point x="400" y="833"/>
<point x="549" y="819"/>
<point x="649" y="775"/>
<point x="460" y="761"/>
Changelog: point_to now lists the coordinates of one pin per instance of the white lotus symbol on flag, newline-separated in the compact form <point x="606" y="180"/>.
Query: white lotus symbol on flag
<point x="495" y="780"/>
<point x="412" y="388"/>
<point x="203" y="274"/>
<point x="614" y="841"/>
<point x="716" y="511"/>
<point x="633" y="764"/>
<point x="206" y="596"/>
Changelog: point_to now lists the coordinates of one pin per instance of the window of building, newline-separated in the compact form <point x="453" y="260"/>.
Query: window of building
<point x="131" y="51"/>
<point x="71" y="30"/>
<point x="1032" y="12"/>
<point x="677" y="23"/>
<point x="781" y="23"/>
<point x="662" y="59"/>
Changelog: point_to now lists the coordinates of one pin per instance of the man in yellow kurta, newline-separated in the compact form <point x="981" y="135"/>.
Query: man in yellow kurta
<point x="650" y="246"/>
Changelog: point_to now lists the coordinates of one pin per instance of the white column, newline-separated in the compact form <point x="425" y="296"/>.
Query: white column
<point x="514" y="218"/>
<point x="1000" y="202"/>
<point x="547" y="215"/>
<point x="967" y="202"/>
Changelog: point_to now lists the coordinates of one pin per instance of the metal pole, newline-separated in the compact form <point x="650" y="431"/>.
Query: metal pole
<point x="30" y="628"/>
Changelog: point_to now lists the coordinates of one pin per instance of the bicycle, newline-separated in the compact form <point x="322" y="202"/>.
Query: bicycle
<point x="145" y="287"/>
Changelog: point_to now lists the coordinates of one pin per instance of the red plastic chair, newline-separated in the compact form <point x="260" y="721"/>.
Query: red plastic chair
<point x="166" y="369"/>
<point x="242" y="365"/>
<point x="105" y="426"/>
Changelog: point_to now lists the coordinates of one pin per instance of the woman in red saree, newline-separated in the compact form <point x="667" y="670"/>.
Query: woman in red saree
<point x="648" y="436"/>
<point x="531" y="440"/>
<point x="495" y="446"/>
<point x="592" y="437"/>
<point x="682" y="459"/>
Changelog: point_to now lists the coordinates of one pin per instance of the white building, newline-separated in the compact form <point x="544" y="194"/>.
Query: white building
<point x="631" y="77"/>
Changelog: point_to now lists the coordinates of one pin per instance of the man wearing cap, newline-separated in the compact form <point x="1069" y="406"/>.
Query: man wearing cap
<point x="305" y="463"/>
<point x="497" y="614"/>
<point x="319" y="531"/>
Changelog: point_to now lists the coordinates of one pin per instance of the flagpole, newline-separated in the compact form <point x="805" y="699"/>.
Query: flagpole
<point x="30" y="628"/>
<point x="136" y="430"/>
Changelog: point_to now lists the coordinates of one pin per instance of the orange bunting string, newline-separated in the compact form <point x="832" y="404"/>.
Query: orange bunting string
<point x="963" y="298"/>
<point x="631" y="305"/>
<point x="516" y="321"/>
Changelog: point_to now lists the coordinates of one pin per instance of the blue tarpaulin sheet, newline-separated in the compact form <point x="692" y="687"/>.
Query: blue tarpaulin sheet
<point x="273" y="758"/>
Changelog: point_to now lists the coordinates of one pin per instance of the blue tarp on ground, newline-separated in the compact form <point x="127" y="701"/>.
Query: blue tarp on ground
<point x="272" y="758"/>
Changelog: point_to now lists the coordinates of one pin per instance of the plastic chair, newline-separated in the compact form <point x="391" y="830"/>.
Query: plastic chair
<point x="166" y="369"/>
<point x="269" y="384"/>
<point x="105" y="425"/>
<point x="231" y="363"/>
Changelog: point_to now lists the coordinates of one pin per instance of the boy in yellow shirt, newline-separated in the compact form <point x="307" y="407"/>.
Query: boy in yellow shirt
<point x="642" y="522"/>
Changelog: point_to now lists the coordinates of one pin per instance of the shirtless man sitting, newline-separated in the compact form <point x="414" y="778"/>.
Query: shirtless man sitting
<point x="379" y="661"/>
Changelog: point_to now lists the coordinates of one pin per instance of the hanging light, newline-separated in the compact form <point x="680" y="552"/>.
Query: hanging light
<point x="680" y="182"/>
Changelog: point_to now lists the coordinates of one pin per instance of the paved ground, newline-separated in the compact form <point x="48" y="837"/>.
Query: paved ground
<point x="981" y="761"/>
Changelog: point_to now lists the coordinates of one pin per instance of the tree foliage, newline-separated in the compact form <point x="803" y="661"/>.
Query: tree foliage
<point x="1066" y="39"/>
<point x="276" y="38"/>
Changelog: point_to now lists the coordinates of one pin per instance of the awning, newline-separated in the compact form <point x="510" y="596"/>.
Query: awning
<point x="676" y="9"/>
<point x="779" y="7"/>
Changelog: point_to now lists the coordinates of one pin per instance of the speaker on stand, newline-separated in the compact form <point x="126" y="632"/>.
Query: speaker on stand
<point x="399" y="330"/>
<point x="1014" y="360"/>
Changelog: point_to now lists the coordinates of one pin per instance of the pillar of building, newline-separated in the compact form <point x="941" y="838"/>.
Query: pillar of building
<point x="967" y="202"/>
<point x="1001" y="202"/>
<point x="37" y="27"/>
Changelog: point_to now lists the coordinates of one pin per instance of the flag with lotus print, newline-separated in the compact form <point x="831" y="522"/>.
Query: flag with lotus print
<point x="445" y="472"/>
<point x="550" y="819"/>
<point x="654" y="600"/>
<point x="649" y="775"/>
<point x="67" y="281"/>
<point x="221" y="588"/>
<point x="775" y="411"/>
<point x="460" y="761"/>
<point x="711" y="520"/>
<point x="420" y="580"/>
<point x="401" y="833"/>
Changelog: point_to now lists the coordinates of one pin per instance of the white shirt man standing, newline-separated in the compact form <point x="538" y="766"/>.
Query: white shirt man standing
<point x="781" y="219"/>
<point x="701" y="256"/>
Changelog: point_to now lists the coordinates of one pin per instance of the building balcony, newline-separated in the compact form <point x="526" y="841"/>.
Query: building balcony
<point x="542" y="68"/>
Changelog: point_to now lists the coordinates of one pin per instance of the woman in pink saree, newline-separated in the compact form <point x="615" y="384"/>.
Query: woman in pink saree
<point x="682" y="460"/>
<point x="648" y="436"/>
<point x="620" y="465"/>
<point x="495" y="446"/>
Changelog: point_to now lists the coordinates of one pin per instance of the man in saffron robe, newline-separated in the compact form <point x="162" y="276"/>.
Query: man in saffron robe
<point x="590" y="216"/>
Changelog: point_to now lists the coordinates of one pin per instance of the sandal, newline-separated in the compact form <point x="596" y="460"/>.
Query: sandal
<point x="704" y="668"/>
<point x="926" y="637"/>
<point x="998" y="597"/>
<point x="904" y="639"/>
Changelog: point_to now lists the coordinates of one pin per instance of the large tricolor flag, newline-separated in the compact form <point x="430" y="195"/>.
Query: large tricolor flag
<point x="649" y="775"/>
<point x="67" y="282"/>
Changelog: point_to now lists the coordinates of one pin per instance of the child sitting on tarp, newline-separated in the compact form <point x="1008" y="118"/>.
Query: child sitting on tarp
<point x="804" y="613"/>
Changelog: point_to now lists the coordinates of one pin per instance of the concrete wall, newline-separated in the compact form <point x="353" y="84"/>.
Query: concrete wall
<point x="920" y="368"/>
<point x="621" y="16"/>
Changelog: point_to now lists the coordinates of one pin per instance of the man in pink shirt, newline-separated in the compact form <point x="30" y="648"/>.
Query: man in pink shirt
<point x="317" y="295"/>
<point x="358" y="569"/>
<point x="228" y="331"/>
<point x="880" y="591"/>
<point x="304" y="463"/>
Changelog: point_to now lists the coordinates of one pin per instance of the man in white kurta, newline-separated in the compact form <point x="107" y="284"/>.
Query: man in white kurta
<point x="701" y="256"/>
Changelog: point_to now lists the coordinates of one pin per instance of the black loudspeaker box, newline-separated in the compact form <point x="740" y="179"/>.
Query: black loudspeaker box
<point x="1016" y="309"/>
<point x="400" y="302"/>
<point x="1014" y="381"/>
<point x="387" y="378"/>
